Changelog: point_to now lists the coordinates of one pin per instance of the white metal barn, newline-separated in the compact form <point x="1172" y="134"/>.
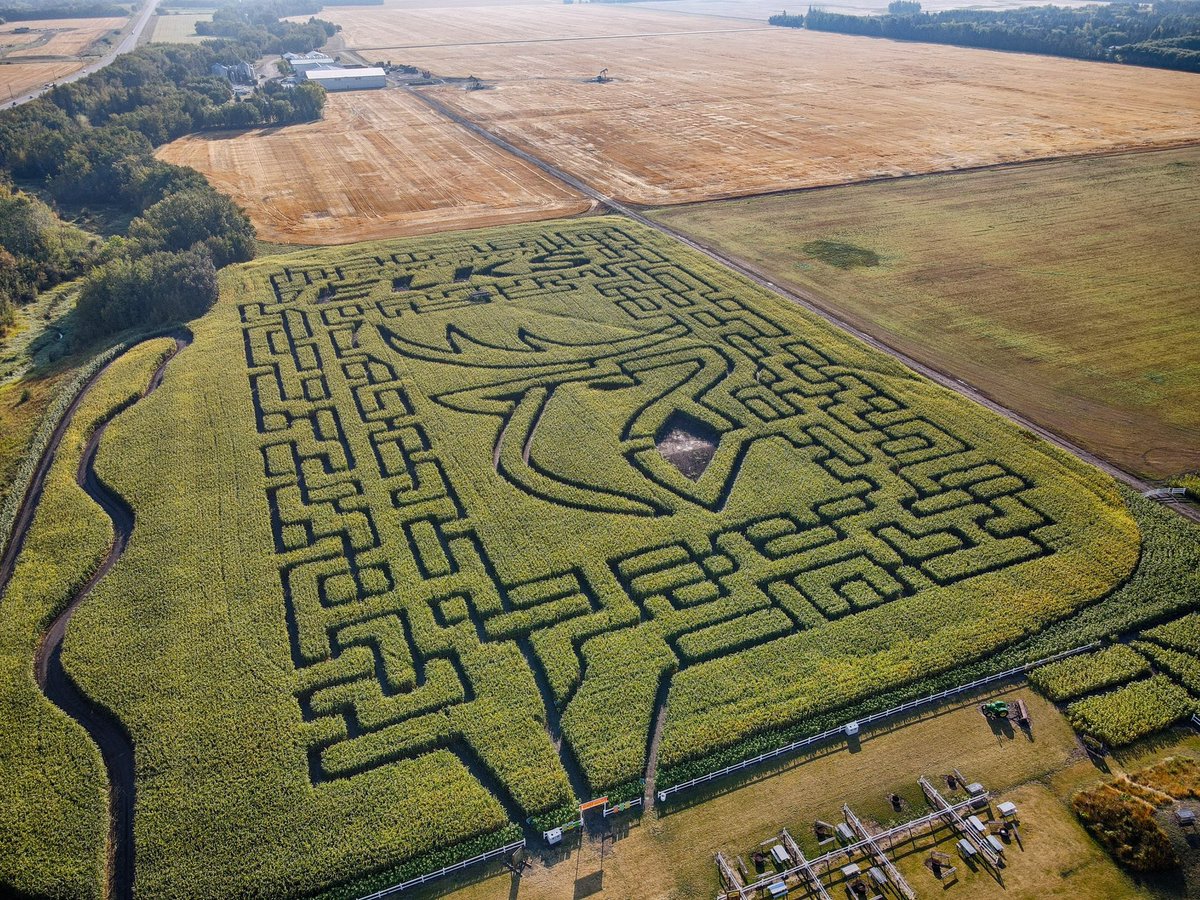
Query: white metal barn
<point x="347" y="79"/>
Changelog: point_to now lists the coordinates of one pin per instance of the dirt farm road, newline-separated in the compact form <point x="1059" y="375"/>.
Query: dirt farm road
<point x="128" y="42"/>
<point x="748" y="271"/>
<point x="109" y="735"/>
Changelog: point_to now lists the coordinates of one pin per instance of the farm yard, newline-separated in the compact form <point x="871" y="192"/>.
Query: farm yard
<point x="1033" y="283"/>
<point x="377" y="163"/>
<point x="672" y="855"/>
<point x="794" y="108"/>
<point x="449" y="538"/>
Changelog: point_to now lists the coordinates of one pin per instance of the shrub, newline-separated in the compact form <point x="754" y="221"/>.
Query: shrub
<point x="1126" y="827"/>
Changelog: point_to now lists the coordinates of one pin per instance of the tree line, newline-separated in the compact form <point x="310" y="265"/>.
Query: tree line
<point x="90" y="145"/>
<point x="29" y="12"/>
<point x="1163" y="34"/>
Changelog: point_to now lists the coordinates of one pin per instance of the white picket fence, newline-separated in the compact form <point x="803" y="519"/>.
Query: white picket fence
<point x="448" y="870"/>
<point x="865" y="720"/>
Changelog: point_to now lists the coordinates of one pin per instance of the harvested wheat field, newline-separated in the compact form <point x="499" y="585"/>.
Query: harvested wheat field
<point x="375" y="27"/>
<point x="54" y="37"/>
<point x="702" y="116"/>
<point x="17" y="78"/>
<point x="1064" y="289"/>
<point x="379" y="164"/>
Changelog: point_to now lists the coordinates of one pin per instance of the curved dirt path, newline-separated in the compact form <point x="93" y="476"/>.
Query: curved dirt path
<point x="106" y="731"/>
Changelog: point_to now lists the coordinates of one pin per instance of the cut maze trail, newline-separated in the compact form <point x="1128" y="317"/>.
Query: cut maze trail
<point x="749" y="271"/>
<point x="109" y="735"/>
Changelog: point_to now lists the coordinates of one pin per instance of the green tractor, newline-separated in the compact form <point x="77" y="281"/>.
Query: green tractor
<point x="997" y="709"/>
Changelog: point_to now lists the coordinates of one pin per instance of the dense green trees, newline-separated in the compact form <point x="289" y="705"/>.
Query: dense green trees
<point x="91" y="145"/>
<point x="1166" y="34"/>
<point x="193" y="219"/>
<point x="37" y="250"/>
<point x="147" y="291"/>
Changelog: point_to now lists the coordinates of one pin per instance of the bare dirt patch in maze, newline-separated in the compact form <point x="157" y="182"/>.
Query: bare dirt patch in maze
<point x="699" y="116"/>
<point x="379" y="164"/>
<point x="688" y="444"/>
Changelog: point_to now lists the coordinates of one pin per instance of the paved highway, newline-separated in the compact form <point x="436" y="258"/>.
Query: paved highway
<point x="129" y="40"/>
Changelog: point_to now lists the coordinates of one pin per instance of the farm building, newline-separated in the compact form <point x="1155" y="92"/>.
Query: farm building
<point x="347" y="79"/>
<point x="302" y="62"/>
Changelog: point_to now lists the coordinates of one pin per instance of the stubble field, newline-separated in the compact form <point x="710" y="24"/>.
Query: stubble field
<point x="1065" y="289"/>
<point x="701" y="116"/>
<point x="424" y="25"/>
<point x="54" y="37"/>
<point x="379" y="163"/>
<point x="18" y="77"/>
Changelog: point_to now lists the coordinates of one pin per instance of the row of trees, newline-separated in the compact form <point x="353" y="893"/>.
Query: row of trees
<point x="90" y="145"/>
<point x="24" y="12"/>
<point x="1165" y="34"/>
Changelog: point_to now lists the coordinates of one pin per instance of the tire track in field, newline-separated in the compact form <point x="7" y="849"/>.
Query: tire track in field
<point x="105" y="730"/>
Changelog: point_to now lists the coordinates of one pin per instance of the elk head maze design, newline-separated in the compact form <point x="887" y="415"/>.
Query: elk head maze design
<point x="389" y="583"/>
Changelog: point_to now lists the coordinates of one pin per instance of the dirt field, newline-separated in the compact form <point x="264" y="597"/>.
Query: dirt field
<point x="16" y="78"/>
<point x="672" y="856"/>
<point x="1065" y="290"/>
<point x="375" y="27"/>
<point x="380" y="164"/>
<point x="701" y="116"/>
<point x="54" y="37"/>
<point x="178" y="28"/>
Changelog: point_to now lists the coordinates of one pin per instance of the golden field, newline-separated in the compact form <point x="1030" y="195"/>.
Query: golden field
<point x="379" y="164"/>
<point x="54" y="37"/>
<point x="17" y="78"/>
<point x="701" y="116"/>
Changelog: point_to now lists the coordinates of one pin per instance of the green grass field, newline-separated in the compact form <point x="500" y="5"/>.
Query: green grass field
<point x="1066" y="290"/>
<point x="178" y="28"/>
<point x="406" y="509"/>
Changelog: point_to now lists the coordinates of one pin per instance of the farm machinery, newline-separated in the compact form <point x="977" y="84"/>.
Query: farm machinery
<point x="999" y="709"/>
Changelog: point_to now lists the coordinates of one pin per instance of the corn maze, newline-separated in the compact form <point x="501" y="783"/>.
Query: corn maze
<point x="531" y="480"/>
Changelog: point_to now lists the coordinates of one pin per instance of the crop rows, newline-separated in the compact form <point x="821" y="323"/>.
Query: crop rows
<point x="458" y="441"/>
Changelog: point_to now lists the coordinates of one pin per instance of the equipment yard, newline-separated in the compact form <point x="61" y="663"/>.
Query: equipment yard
<point x="696" y="116"/>
<point x="378" y="163"/>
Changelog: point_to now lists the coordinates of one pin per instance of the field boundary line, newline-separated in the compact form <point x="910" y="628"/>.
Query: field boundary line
<point x="787" y="749"/>
<point x="445" y="870"/>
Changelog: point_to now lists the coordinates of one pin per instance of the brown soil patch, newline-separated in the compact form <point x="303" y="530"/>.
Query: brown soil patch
<point x="697" y="116"/>
<point x="687" y="444"/>
<point x="380" y="164"/>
